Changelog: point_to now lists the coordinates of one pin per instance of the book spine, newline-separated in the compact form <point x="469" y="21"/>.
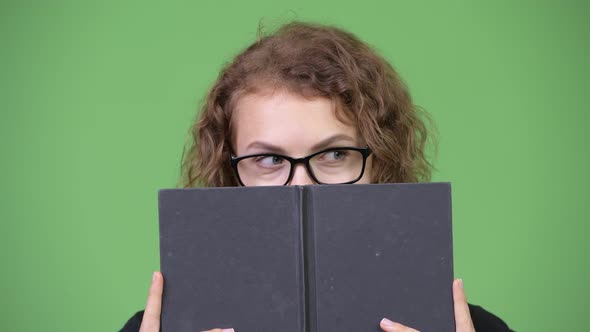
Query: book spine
<point x="309" y="260"/>
<point x="302" y="270"/>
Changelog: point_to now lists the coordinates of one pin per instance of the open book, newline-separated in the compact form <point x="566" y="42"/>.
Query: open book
<point x="321" y="258"/>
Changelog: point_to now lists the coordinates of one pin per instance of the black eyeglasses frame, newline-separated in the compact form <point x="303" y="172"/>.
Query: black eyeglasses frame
<point x="366" y="152"/>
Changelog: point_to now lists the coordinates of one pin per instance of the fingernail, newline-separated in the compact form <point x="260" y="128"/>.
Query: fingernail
<point x="154" y="276"/>
<point x="387" y="322"/>
<point x="227" y="330"/>
<point x="460" y="283"/>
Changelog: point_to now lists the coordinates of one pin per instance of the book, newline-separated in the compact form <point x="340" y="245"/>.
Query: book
<point x="318" y="258"/>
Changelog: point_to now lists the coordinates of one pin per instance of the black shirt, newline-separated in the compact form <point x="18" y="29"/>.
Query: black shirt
<point x="483" y="321"/>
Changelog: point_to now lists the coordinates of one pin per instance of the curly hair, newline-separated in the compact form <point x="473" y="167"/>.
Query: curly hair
<point x="314" y="60"/>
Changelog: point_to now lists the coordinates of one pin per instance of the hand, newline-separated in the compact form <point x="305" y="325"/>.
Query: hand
<point x="153" y="307"/>
<point x="463" y="321"/>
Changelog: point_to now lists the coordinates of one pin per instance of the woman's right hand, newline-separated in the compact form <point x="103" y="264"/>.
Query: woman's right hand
<point x="153" y="307"/>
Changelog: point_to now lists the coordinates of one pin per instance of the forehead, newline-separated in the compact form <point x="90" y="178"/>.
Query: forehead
<point x="292" y="122"/>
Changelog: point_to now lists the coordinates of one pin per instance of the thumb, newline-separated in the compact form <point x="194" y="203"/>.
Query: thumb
<point x="153" y="306"/>
<point x="462" y="316"/>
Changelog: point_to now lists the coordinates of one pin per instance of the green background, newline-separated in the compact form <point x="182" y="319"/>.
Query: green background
<point x="96" y="99"/>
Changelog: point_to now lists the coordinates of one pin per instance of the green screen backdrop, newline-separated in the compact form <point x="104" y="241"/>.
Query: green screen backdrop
<point x="96" y="99"/>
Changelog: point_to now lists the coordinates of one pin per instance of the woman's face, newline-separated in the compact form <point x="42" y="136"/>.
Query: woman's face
<point x="291" y="125"/>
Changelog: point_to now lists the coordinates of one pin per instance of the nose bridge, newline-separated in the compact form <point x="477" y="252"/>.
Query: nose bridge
<point x="300" y="175"/>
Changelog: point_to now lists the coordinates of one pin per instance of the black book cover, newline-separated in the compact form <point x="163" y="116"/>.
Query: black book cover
<point x="307" y="258"/>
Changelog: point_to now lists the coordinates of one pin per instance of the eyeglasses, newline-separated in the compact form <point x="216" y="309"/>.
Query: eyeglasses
<point x="341" y="165"/>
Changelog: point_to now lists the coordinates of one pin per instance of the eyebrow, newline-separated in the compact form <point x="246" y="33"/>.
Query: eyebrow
<point x="319" y="146"/>
<point x="331" y="140"/>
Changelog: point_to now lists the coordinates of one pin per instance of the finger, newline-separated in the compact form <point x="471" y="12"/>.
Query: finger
<point x="462" y="316"/>
<point x="153" y="306"/>
<point x="389" y="326"/>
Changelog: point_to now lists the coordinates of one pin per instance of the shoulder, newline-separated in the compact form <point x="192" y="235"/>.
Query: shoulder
<point x="485" y="321"/>
<point x="133" y="323"/>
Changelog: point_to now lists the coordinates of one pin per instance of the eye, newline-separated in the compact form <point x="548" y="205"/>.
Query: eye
<point x="269" y="161"/>
<point x="334" y="155"/>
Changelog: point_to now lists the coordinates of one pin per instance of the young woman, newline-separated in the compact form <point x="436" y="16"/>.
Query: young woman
<point x="318" y="92"/>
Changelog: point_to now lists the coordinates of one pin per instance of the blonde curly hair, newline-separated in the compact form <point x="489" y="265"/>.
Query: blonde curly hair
<point x="314" y="60"/>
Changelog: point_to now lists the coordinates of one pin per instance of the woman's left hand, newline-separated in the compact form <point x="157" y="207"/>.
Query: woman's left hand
<point x="463" y="321"/>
